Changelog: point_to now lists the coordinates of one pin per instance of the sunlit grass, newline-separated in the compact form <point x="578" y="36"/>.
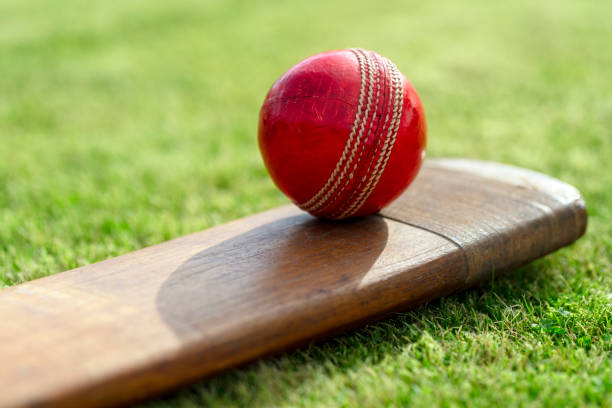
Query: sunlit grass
<point x="124" y="124"/>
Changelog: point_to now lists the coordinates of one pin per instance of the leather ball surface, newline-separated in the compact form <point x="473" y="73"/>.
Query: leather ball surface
<point x="342" y="133"/>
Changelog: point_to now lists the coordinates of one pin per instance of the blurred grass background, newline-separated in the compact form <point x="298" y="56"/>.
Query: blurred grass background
<point x="124" y="124"/>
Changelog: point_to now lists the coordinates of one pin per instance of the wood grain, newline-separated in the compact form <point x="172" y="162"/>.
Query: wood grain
<point x="500" y="216"/>
<point x="145" y="322"/>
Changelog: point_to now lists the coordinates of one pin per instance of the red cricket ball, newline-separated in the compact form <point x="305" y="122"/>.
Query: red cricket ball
<point x="342" y="133"/>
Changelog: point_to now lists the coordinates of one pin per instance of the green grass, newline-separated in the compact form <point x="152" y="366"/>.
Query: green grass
<point x="124" y="124"/>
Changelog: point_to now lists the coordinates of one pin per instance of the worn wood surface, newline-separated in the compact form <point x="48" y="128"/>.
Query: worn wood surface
<point x="142" y="323"/>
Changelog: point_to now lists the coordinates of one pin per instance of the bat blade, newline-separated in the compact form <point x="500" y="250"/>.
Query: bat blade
<point x="134" y="326"/>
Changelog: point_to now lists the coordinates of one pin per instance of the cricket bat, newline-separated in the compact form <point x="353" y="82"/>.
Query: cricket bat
<point x="143" y="323"/>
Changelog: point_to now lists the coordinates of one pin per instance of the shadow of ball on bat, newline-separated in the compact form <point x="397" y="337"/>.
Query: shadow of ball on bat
<point x="274" y="269"/>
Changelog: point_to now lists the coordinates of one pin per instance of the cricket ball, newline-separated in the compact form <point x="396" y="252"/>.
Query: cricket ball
<point x="342" y="133"/>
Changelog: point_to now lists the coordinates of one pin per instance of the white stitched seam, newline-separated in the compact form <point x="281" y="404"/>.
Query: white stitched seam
<point x="357" y="143"/>
<point x="368" y="174"/>
<point x="366" y="124"/>
<point x="382" y="162"/>
<point x="308" y="206"/>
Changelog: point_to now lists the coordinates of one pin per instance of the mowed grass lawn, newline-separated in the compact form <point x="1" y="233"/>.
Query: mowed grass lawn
<point x="125" y="124"/>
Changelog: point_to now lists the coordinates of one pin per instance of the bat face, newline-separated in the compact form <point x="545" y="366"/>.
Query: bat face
<point x="137" y="325"/>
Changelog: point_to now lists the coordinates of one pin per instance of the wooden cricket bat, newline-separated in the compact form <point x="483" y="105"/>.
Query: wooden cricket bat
<point x="137" y="325"/>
